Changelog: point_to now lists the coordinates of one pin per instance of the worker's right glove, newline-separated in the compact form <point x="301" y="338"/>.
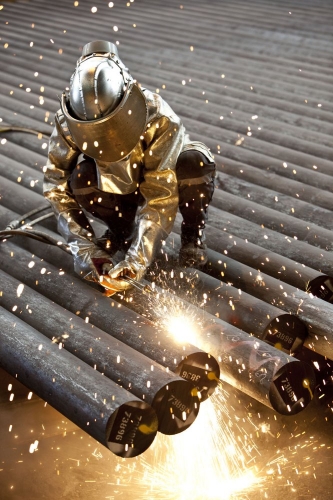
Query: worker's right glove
<point x="89" y="259"/>
<point x="118" y="277"/>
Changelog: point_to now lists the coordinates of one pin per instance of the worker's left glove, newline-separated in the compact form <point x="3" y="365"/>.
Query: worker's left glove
<point x="120" y="276"/>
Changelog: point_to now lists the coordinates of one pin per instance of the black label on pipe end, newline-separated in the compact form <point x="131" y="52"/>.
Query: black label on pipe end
<point x="322" y="287"/>
<point x="133" y="429"/>
<point x="286" y="333"/>
<point x="177" y="406"/>
<point x="202" y="370"/>
<point x="293" y="388"/>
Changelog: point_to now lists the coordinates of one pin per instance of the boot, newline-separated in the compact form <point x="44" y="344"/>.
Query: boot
<point x="193" y="251"/>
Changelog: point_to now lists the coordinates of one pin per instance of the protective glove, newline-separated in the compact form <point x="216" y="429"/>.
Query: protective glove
<point x="88" y="259"/>
<point x="115" y="274"/>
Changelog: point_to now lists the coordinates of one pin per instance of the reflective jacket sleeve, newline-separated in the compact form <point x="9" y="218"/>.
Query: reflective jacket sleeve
<point x="73" y="225"/>
<point x="163" y="141"/>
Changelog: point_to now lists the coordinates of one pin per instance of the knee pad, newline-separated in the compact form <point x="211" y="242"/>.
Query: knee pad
<point x="194" y="168"/>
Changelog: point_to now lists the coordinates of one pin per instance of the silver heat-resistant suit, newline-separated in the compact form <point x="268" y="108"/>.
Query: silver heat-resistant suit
<point x="138" y="152"/>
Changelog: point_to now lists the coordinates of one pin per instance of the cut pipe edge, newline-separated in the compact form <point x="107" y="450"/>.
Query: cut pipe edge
<point x="131" y="429"/>
<point x="321" y="287"/>
<point x="176" y="407"/>
<point x="292" y="388"/>
<point x="201" y="369"/>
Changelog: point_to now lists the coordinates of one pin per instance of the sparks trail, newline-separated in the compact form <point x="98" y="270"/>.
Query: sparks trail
<point x="169" y="312"/>
<point x="220" y="460"/>
<point x="216" y="459"/>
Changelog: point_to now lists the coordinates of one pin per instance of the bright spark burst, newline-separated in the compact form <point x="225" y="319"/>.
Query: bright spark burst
<point x="212" y="459"/>
<point x="181" y="327"/>
<point x="173" y="315"/>
<point x="203" y="462"/>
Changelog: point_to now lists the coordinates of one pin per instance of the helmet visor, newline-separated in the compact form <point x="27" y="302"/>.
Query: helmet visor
<point x="114" y="136"/>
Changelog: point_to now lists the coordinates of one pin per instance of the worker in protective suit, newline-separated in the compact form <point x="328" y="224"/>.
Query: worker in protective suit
<point x="119" y="153"/>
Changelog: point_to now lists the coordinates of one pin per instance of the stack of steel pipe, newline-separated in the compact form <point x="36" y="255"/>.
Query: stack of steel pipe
<point x="314" y="312"/>
<point x="310" y="280"/>
<point x="81" y="298"/>
<point x="128" y="368"/>
<point x="262" y="361"/>
<point x="117" y="419"/>
<point x="266" y="374"/>
<point x="310" y="307"/>
<point x="135" y="331"/>
<point x="287" y="246"/>
<point x="221" y="222"/>
<point x="249" y="364"/>
<point x="279" y="201"/>
<point x="292" y="141"/>
<point x="294" y="273"/>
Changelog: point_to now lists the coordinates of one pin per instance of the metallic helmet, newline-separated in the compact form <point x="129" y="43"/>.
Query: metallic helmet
<point x="99" y="47"/>
<point x="98" y="83"/>
<point x="106" y="111"/>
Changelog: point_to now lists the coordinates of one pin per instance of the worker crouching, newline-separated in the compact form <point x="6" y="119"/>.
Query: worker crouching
<point x="119" y="152"/>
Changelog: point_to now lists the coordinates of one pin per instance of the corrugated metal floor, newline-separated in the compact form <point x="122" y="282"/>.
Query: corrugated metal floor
<point x="254" y="81"/>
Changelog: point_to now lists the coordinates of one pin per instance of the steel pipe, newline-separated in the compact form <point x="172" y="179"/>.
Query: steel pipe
<point x="293" y="249"/>
<point x="144" y="378"/>
<point x="120" y="322"/>
<point x="273" y="198"/>
<point x="316" y="314"/>
<point x="256" y="317"/>
<point x="287" y="270"/>
<point x="256" y="152"/>
<point x="304" y="148"/>
<point x="123" y="423"/>
<point x="13" y="170"/>
<point x="11" y="192"/>
<point x="273" y="220"/>
<point x="244" y="172"/>
<point x="298" y="275"/>
<point x="260" y="370"/>
<point x="269" y="375"/>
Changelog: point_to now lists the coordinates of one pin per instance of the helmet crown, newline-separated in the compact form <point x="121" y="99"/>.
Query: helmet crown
<point x="98" y="82"/>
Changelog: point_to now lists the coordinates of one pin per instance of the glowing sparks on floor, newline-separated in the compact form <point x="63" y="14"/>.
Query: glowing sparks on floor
<point x="212" y="459"/>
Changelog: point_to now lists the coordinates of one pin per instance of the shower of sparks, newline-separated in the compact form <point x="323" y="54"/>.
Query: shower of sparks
<point x="216" y="457"/>
<point x="206" y="461"/>
<point x="174" y="316"/>
<point x="181" y="326"/>
<point x="213" y="459"/>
